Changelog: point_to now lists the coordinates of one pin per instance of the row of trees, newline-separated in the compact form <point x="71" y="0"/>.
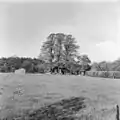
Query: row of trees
<point x="30" y="65"/>
<point x="106" y="66"/>
<point x="36" y="65"/>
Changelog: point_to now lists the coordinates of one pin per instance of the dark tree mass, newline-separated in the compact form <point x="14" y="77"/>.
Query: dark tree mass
<point x="58" y="55"/>
<point x="13" y="63"/>
<point x="61" y="52"/>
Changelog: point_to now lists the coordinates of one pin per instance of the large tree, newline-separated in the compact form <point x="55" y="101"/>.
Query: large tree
<point x="59" y="47"/>
<point x="70" y="48"/>
<point x="47" y="49"/>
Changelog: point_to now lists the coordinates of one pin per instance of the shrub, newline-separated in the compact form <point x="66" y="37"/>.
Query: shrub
<point x="96" y="74"/>
<point x="104" y="74"/>
<point x="111" y="74"/>
<point x="100" y="74"/>
<point x="89" y="73"/>
<point x="41" y="68"/>
<point x="117" y="74"/>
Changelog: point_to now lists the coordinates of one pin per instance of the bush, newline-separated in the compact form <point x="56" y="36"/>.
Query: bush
<point x="41" y="68"/>
<point x="117" y="74"/>
<point x="104" y="74"/>
<point x="92" y="73"/>
<point x="100" y="74"/>
<point x="96" y="74"/>
<point x="89" y="73"/>
<point x="111" y="74"/>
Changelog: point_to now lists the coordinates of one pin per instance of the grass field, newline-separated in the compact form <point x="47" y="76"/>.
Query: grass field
<point x="31" y="91"/>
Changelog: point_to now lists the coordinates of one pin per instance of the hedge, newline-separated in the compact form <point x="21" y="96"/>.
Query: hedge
<point x="104" y="74"/>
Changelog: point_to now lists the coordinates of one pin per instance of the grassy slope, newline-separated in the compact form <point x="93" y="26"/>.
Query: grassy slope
<point x="39" y="89"/>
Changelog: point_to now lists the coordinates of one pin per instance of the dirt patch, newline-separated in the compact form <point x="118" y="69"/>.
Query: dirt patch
<point x="74" y="108"/>
<point x="64" y="109"/>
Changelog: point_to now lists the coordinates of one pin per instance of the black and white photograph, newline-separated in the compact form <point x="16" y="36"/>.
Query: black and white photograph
<point x="59" y="59"/>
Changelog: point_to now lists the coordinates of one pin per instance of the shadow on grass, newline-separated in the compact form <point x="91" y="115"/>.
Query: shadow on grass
<point x="61" y="110"/>
<point x="74" y="108"/>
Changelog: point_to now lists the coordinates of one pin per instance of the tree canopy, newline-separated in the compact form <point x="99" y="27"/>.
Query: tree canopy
<point x="59" y="50"/>
<point x="59" y="47"/>
<point x="63" y="48"/>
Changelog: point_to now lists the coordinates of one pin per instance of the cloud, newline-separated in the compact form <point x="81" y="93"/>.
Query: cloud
<point x="88" y="23"/>
<point x="109" y="49"/>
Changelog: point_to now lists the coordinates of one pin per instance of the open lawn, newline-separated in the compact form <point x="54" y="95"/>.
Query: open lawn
<point x="31" y="91"/>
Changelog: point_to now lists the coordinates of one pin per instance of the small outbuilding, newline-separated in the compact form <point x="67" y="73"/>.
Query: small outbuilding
<point x="20" y="71"/>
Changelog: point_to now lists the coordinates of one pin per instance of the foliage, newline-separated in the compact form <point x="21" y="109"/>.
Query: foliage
<point x="59" y="52"/>
<point x="106" y="66"/>
<point x="28" y="66"/>
<point x="96" y="67"/>
<point x="84" y="59"/>
<point x="62" y="49"/>
<point x="47" y="49"/>
<point x="70" y="48"/>
<point x="59" y="47"/>
<point x="12" y="63"/>
<point x="104" y="74"/>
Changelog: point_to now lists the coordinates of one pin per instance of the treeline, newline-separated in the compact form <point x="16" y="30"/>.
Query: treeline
<point x="104" y="74"/>
<point x="30" y="65"/>
<point x="106" y="66"/>
<point x="58" y="54"/>
<point x="105" y="69"/>
<point x="36" y="65"/>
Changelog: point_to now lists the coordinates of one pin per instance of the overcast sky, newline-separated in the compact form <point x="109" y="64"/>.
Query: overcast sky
<point x="95" y="25"/>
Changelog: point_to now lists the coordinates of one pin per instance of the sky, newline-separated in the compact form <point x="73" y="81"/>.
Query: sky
<point x="95" y="24"/>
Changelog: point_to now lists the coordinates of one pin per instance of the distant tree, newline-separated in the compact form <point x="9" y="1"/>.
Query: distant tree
<point x="103" y="65"/>
<point x="41" y="68"/>
<point x="2" y="61"/>
<point x="84" y="61"/>
<point x="95" y="66"/>
<point x="10" y="64"/>
<point x="2" y="69"/>
<point x="28" y="66"/>
<point x="14" y="62"/>
<point x="116" y="65"/>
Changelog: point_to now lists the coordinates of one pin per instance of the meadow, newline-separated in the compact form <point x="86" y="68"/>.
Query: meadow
<point x="29" y="92"/>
